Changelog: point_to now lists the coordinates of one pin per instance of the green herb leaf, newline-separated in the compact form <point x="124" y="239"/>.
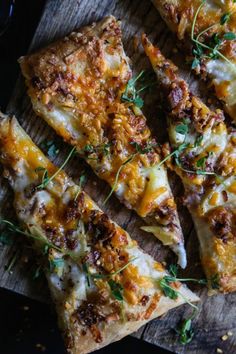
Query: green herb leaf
<point x="50" y="147"/>
<point x="207" y="51"/>
<point x="82" y="180"/>
<point x="225" y="18"/>
<point x="56" y="263"/>
<point x="37" y="273"/>
<point x="229" y="36"/>
<point x="148" y="147"/>
<point x="182" y="129"/>
<point x="185" y="331"/>
<point x="45" y="242"/>
<point x="116" y="290"/>
<point x="195" y="63"/>
<point x="46" y="179"/>
<point x="131" y="94"/>
<point x="88" y="148"/>
<point x="215" y="281"/>
<point x="173" y="269"/>
<point x="198" y="141"/>
<point x="167" y="289"/>
<point x="201" y="162"/>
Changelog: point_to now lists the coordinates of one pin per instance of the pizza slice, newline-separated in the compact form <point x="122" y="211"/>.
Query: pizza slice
<point x="208" y="30"/>
<point x="82" y="87"/>
<point x="104" y="286"/>
<point x="204" y="154"/>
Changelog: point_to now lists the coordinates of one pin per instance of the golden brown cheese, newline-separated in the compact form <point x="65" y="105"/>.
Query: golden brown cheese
<point x="76" y="85"/>
<point x="220" y="17"/>
<point x="104" y="286"/>
<point x="205" y="161"/>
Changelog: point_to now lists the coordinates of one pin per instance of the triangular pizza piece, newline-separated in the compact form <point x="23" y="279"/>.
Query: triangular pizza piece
<point x="207" y="30"/>
<point x="82" y="87"/>
<point x="104" y="286"/>
<point x="204" y="156"/>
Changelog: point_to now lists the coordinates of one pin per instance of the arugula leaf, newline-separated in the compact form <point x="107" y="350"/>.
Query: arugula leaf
<point x="185" y="331"/>
<point x="225" y="18"/>
<point x="116" y="290"/>
<point x="229" y="36"/>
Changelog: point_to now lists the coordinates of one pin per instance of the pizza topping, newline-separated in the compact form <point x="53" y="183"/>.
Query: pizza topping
<point x="95" y="106"/>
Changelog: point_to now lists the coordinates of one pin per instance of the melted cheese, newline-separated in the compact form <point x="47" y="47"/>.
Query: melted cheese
<point x="84" y="106"/>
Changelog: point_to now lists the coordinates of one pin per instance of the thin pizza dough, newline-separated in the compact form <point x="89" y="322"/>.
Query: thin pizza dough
<point x="104" y="286"/>
<point x="204" y="156"/>
<point x="77" y="85"/>
<point x="208" y="30"/>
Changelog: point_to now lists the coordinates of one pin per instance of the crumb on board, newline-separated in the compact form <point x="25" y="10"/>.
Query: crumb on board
<point x="218" y="350"/>
<point x="40" y="347"/>
<point x="224" y="337"/>
<point x="229" y="333"/>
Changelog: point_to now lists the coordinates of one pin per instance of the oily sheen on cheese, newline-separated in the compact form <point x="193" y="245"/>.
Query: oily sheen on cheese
<point x="179" y="15"/>
<point x="89" y="258"/>
<point x="206" y="164"/>
<point x="76" y="86"/>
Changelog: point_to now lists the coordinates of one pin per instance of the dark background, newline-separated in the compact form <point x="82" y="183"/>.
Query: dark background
<point x="27" y="326"/>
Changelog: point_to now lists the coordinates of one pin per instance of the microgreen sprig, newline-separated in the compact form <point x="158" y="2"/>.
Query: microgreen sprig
<point x="46" y="179"/>
<point x="131" y="94"/>
<point x="117" y="177"/>
<point x="185" y="330"/>
<point x="13" y="228"/>
<point x="198" y="51"/>
<point x="104" y="276"/>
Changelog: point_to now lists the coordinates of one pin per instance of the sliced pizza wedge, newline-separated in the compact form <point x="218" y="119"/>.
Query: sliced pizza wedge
<point x="208" y="30"/>
<point x="104" y="286"/>
<point x="82" y="87"/>
<point x="204" y="156"/>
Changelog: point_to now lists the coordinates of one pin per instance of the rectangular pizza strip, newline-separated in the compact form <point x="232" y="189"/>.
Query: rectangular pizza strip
<point x="104" y="286"/>
<point x="81" y="86"/>
<point x="204" y="154"/>
<point x="208" y="30"/>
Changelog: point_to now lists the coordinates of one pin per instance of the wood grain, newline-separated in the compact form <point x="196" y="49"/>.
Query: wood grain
<point x="216" y="315"/>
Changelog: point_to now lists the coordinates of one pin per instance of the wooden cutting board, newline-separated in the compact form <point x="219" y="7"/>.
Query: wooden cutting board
<point x="216" y="315"/>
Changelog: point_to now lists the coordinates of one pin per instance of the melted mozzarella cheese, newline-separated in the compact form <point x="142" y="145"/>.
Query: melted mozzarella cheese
<point x="223" y="72"/>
